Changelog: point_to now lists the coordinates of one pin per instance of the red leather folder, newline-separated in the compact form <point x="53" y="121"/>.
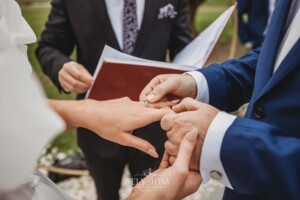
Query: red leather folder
<point x="116" y="80"/>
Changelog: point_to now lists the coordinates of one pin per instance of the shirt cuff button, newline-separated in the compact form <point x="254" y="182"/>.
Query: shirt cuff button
<point x="216" y="175"/>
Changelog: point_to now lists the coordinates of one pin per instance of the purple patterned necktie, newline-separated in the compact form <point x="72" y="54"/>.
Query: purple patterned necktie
<point x="130" y="26"/>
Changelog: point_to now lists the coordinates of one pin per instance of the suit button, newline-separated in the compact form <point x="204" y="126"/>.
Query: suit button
<point x="216" y="175"/>
<point x="259" y="112"/>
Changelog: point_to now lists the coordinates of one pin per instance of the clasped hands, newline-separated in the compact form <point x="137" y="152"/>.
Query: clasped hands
<point x="186" y="126"/>
<point x="189" y="114"/>
<point x="186" y="129"/>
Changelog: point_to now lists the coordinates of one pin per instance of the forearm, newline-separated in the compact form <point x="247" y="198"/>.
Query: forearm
<point x="74" y="113"/>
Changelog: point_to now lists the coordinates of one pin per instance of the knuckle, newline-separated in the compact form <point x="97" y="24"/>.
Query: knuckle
<point x="126" y="98"/>
<point x="170" y="134"/>
<point x="163" y="120"/>
<point x="177" y="139"/>
<point x="79" y="75"/>
<point x="158" y="89"/>
<point x="172" y="159"/>
<point x="76" y="75"/>
<point x="166" y="145"/>
<point x="159" y="77"/>
<point x="125" y="143"/>
<point x="76" y="85"/>
<point x="177" y="122"/>
<point x="185" y="100"/>
<point x="66" y="66"/>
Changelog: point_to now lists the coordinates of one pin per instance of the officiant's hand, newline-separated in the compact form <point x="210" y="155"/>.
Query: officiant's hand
<point x="169" y="86"/>
<point x="73" y="77"/>
<point x="171" y="182"/>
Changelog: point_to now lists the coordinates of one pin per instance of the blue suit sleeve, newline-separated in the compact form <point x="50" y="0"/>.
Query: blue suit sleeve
<point x="262" y="160"/>
<point x="231" y="83"/>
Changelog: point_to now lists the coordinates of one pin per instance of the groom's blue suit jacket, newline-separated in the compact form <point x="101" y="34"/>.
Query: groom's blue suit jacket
<point x="261" y="152"/>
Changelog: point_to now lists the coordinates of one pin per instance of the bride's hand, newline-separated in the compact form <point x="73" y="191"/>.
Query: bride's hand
<point x="115" y="120"/>
<point x="171" y="182"/>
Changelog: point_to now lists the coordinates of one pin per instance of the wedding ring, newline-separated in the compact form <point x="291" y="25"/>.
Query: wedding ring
<point x="146" y="103"/>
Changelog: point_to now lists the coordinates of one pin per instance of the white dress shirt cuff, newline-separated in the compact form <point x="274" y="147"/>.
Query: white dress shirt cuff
<point x="210" y="161"/>
<point x="202" y="86"/>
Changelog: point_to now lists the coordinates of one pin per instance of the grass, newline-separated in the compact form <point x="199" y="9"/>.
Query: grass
<point x="206" y="14"/>
<point x="37" y="16"/>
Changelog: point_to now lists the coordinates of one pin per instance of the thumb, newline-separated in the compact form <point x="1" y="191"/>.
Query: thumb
<point x="187" y="104"/>
<point x="186" y="149"/>
<point x="161" y="90"/>
<point x="129" y="140"/>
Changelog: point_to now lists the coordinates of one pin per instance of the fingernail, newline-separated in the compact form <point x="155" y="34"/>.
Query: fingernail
<point x="175" y="101"/>
<point x="150" y="97"/>
<point x="152" y="153"/>
<point x="192" y="137"/>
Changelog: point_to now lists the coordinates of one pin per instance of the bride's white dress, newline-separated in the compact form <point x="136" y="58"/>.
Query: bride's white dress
<point x="26" y="122"/>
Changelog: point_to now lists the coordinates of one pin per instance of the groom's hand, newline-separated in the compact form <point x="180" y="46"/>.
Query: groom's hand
<point x="169" y="87"/>
<point x="190" y="114"/>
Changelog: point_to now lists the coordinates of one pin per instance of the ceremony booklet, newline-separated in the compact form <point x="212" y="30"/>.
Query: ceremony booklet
<point x="118" y="75"/>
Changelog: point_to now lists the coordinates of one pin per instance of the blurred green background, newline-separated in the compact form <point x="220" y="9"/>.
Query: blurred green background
<point x="36" y="13"/>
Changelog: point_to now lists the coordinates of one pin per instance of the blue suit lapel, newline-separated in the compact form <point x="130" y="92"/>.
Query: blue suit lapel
<point x="289" y="63"/>
<point x="270" y="46"/>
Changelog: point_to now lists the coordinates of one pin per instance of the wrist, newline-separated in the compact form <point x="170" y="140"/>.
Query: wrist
<point x="192" y="85"/>
<point x="73" y="112"/>
<point x="82" y="112"/>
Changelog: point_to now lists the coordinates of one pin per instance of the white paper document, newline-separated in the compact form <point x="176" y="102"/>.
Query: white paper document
<point x="198" y="51"/>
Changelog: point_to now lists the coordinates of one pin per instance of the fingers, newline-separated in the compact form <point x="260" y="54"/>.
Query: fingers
<point x="172" y="160"/>
<point x="127" y="139"/>
<point x="187" y="104"/>
<point x="84" y="75"/>
<point x="66" y="86"/>
<point x="163" y="104"/>
<point x="75" y="78"/>
<point x="167" y="122"/>
<point x="72" y="84"/>
<point x="171" y="148"/>
<point x="149" y="87"/>
<point x="161" y="90"/>
<point x="186" y="150"/>
<point x="152" y="115"/>
<point x="178" y="131"/>
<point x="165" y="161"/>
